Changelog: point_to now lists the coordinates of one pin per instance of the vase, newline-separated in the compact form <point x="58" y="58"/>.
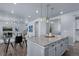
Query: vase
<point x="50" y="34"/>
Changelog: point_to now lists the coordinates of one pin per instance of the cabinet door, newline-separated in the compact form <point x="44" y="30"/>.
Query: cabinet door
<point x="52" y="51"/>
<point x="58" y="49"/>
<point x="62" y="47"/>
<point x="66" y="42"/>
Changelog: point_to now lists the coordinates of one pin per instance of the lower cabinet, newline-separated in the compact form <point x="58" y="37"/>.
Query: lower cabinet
<point x="50" y="50"/>
<point x="56" y="49"/>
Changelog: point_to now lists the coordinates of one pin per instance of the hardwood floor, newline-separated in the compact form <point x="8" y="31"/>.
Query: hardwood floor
<point x="73" y="50"/>
<point x="20" y="51"/>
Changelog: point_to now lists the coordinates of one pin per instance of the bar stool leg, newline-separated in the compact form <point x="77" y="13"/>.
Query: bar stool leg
<point x="7" y="46"/>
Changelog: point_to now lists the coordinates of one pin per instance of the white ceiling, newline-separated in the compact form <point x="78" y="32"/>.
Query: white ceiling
<point x="28" y="9"/>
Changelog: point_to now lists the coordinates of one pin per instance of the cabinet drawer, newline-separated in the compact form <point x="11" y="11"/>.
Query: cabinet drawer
<point x="52" y="51"/>
<point x="51" y="44"/>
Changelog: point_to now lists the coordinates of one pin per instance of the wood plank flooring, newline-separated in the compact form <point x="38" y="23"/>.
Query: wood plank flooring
<point x="20" y="51"/>
<point x="73" y="50"/>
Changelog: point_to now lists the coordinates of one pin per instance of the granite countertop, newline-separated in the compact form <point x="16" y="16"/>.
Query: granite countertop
<point x="43" y="40"/>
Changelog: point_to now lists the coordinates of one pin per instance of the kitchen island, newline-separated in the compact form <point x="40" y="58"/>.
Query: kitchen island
<point x="47" y="46"/>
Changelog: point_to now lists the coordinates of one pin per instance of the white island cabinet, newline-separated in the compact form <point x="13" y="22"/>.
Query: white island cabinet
<point x="42" y="46"/>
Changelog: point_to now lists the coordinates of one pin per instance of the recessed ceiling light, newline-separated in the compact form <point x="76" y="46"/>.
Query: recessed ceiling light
<point x="52" y="22"/>
<point x="12" y="11"/>
<point x="29" y="16"/>
<point x="26" y="21"/>
<point x="14" y="3"/>
<point x="61" y="12"/>
<point x="37" y="11"/>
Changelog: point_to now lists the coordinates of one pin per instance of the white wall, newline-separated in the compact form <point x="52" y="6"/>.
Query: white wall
<point x="30" y="34"/>
<point x="68" y="25"/>
<point x="11" y="22"/>
<point x="55" y="25"/>
<point x="41" y="27"/>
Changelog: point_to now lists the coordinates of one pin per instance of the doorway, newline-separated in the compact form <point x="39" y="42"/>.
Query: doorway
<point x="77" y="28"/>
<point x="36" y="28"/>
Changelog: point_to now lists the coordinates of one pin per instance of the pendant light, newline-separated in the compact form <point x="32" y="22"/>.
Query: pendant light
<point x="47" y="15"/>
<point x="47" y="19"/>
<point x="41" y="12"/>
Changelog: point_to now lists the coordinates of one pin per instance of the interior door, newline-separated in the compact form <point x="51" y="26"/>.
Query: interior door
<point x="36" y="28"/>
<point x="77" y="28"/>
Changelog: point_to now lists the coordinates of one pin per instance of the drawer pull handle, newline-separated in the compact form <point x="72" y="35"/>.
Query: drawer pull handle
<point x="52" y="45"/>
<point x="61" y="44"/>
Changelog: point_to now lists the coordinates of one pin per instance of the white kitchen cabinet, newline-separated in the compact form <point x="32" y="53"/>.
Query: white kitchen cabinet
<point x="58" y="48"/>
<point x="34" y="49"/>
<point x="62" y="47"/>
<point x="50" y="50"/>
<point x="66" y="42"/>
<point x="54" y="48"/>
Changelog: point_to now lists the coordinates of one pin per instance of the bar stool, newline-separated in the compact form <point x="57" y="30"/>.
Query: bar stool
<point x="7" y="43"/>
<point x="18" y="40"/>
